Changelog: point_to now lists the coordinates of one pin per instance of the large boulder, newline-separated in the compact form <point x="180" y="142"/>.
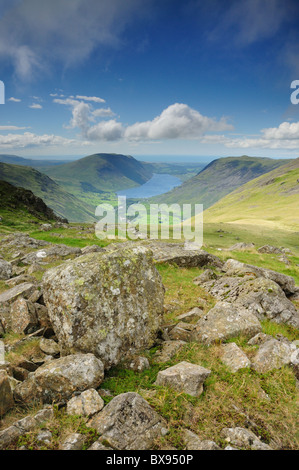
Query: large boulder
<point x="128" y="423"/>
<point x="235" y="268"/>
<point x="109" y="304"/>
<point x="225" y="321"/>
<point x="261" y="296"/>
<point x="59" y="379"/>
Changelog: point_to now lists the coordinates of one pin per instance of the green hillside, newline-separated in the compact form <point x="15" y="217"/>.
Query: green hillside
<point x="20" y="208"/>
<point x="100" y="173"/>
<point x="271" y="200"/>
<point x="62" y="203"/>
<point x="218" y="179"/>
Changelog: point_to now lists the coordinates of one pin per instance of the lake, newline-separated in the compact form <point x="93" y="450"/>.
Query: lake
<point x="158" y="184"/>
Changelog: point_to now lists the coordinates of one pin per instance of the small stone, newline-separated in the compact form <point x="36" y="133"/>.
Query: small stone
<point x="86" y="404"/>
<point x="74" y="441"/>
<point x="184" y="377"/>
<point x="243" y="438"/>
<point x="6" y="394"/>
<point x="234" y="357"/>
<point x="194" y="314"/>
<point x="169" y="350"/>
<point x="44" y="436"/>
<point x="193" y="442"/>
<point x="49" y="347"/>
<point x="138" y="364"/>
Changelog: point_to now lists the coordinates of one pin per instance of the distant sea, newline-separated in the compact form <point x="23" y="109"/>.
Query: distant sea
<point x="158" y="184"/>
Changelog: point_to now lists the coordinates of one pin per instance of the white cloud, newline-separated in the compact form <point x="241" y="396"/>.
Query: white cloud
<point x="35" y="106"/>
<point x="11" y="128"/>
<point x="95" y="99"/>
<point x="15" y="100"/>
<point x="178" y="121"/>
<point x="285" y="136"/>
<point x="106" y="131"/>
<point x="28" y="139"/>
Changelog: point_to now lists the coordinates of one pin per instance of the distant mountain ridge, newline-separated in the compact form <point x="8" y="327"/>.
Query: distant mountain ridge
<point x="100" y="172"/>
<point x="217" y="179"/>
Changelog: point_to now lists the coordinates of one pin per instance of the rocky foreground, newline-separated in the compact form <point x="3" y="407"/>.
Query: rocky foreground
<point x="100" y="308"/>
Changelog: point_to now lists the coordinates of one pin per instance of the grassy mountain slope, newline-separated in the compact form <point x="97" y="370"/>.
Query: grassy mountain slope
<point x="19" y="207"/>
<point x="63" y="203"/>
<point x="271" y="200"/>
<point x="100" y="173"/>
<point x="218" y="179"/>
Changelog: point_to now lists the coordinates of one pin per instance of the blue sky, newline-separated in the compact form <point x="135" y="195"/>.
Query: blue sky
<point x="148" y="77"/>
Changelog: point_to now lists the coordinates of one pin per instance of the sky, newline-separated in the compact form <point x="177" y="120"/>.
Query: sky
<point x="182" y="78"/>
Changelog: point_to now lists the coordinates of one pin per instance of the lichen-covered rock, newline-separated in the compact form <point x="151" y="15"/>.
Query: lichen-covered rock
<point x="193" y="442"/>
<point x="23" y="317"/>
<point x="5" y="270"/>
<point x="262" y="297"/>
<point x="128" y="423"/>
<point x="234" y="357"/>
<point x="49" y="347"/>
<point x="109" y="304"/>
<point x="243" y="438"/>
<point x="87" y="403"/>
<point x="8" y="297"/>
<point x="273" y="354"/>
<point x="74" y="441"/>
<point x="184" y="377"/>
<point x="60" y="378"/>
<point x="225" y="321"/>
<point x="6" y="395"/>
<point x="235" y="268"/>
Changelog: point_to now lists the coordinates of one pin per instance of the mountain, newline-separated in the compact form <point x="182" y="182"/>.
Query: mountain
<point x="63" y="204"/>
<point x="217" y="179"/>
<point x="15" y="160"/>
<point x="271" y="200"/>
<point x="21" y="204"/>
<point x="101" y="172"/>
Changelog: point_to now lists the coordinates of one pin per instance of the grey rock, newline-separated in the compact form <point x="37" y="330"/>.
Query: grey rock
<point x="193" y="442"/>
<point x="184" y="377"/>
<point x="60" y="378"/>
<point x="272" y="354"/>
<point x="234" y="357"/>
<point x="128" y="423"/>
<point x="23" y="317"/>
<point x="225" y="321"/>
<point x="129" y="314"/>
<point x="49" y="347"/>
<point x="182" y="331"/>
<point x="294" y="362"/>
<point x="8" y="297"/>
<point x="138" y="364"/>
<point x="5" y="270"/>
<point x="6" y="394"/>
<point x="243" y="438"/>
<point x="287" y="283"/>
<point x="206" y="276"/>
<point x="73" y="441"/>
<point x="192" y="315"/>
<point x="87" y="403"/>
<point x="44" y="436"/>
